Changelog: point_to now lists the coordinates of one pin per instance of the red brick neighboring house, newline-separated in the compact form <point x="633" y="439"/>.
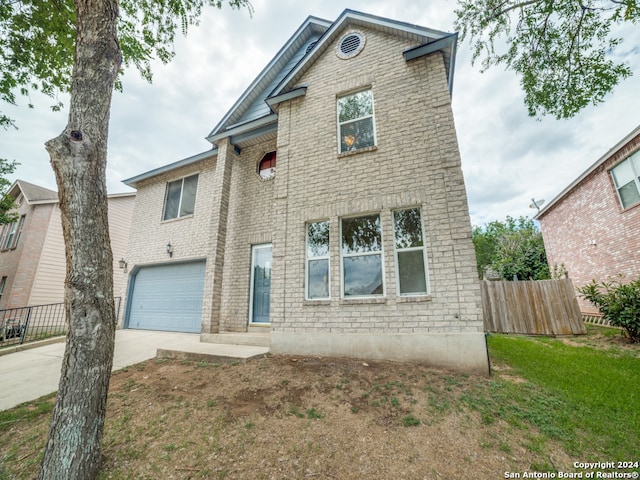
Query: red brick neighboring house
<point x="593" y="226"/>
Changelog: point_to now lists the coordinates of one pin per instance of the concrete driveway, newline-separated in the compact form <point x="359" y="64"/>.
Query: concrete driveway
<point x="29" y="374"/>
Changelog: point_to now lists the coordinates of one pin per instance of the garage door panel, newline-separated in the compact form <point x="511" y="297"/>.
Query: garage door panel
<point x="168" y="297"/>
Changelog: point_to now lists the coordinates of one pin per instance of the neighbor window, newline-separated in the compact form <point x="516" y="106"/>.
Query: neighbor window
<point x="12" y="232"/>
<point x="626" y="177"/>
<point x="3" y="237"/>
<point x="19" y="234"/>
<point x="355" y="121"/>
<point x="181" y="197"/>
<point x="3" y="282"/>
<point x="410" y="252"/>
<point x="318" y="260"/>
<point x="362" y="256"/>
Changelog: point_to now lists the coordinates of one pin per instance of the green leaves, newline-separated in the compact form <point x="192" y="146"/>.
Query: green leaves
<point x="513" y="249"/>
<point x="559" y="48"/>
<point x="618" y="302"/>
<point x="37" y="41"/>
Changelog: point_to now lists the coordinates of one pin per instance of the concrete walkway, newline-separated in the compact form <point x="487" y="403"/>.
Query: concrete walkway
<point x="29" y="374"/>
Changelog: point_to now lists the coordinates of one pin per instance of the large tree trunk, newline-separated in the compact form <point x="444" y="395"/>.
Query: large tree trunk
<point x="78" y="156"/>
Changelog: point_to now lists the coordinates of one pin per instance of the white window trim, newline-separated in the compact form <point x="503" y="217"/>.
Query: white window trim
<point x="636" y="174"/>
<point x="372" y="116"/>
<point x="351" y="255"/>
<point x="326" y="257"/>
<point x="11" y="236"/>
<point x="411" y="249"/>
<point x="19" y="232"/>
<point x="166" y="195"/>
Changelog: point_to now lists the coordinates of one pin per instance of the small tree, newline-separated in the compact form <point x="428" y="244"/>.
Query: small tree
<point x="513" y="248"/>
<point x="618" y="302"/>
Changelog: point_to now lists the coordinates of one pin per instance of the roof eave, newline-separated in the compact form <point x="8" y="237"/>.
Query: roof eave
<point x="611" y="152"/>
<point x="133" y="181"/>
<point x="450" y="41"/>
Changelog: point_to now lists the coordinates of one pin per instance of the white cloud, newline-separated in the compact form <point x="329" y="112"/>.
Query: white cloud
<point x="507" y="157"/>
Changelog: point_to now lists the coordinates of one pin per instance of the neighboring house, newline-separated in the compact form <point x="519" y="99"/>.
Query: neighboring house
<point x="331" y="210"/>
<point x="32" y="255"/>
<point x="593" y="226"/>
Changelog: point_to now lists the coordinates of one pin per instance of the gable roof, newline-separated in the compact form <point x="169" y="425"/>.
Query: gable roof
<point x="610" y="153"/>
<point x="252" y="119"/>
<point x="308" y="43"/>
<point x="32" y="193"/>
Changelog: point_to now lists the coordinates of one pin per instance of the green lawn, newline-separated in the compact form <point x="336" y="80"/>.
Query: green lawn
<point x="585" y="396"/>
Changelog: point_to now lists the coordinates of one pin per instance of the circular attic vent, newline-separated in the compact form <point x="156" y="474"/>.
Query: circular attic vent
<point x="350" y="45"/>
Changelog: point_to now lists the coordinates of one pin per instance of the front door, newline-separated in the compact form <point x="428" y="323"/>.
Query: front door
<point x="260" y="284"/>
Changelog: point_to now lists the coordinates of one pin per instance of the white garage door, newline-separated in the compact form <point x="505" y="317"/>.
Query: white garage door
<point x="167" y="297"/>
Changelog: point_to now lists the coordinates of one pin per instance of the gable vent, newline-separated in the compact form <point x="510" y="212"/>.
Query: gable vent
<point x="310" y="47"/>
<point x="350" y="45"/>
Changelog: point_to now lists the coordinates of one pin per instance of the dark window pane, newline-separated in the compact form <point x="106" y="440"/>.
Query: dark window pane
<point x="318" y="286"/>
<point x="318" y="239"/>
<point x="363" y="275"/>
<point x="408" y="230"/>
<point x="411" y="272"/>
<point x="189" y="195"/>
<point x="173" y="200"/>
<point x="629" y="194"/>
<point x="362" y="234"/>
<point x="358" y="134"/>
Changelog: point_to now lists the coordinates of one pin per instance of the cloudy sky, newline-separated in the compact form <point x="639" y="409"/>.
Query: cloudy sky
<point x="507" y="157"/>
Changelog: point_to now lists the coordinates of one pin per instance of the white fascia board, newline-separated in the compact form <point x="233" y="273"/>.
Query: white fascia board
<point x="611" y="152"/>
<point x="267" y="69"/>
<point x="133" y="181"/>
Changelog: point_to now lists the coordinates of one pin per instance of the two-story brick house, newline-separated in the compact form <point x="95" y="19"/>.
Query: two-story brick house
<point x="593" y="225"/>
<point x="32" y="255"/>
<point x="331" y="210"/>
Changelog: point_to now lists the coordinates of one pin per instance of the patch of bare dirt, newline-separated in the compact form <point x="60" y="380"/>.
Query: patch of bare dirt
<point x="294" y="418"/>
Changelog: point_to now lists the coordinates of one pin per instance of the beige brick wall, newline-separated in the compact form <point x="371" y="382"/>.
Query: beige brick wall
<point x="416" y="163"/>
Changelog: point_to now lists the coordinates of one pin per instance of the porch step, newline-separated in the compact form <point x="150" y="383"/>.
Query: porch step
<point x="257" y="339"/>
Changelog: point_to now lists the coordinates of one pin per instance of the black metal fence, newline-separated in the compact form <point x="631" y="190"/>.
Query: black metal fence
<point x="29" y="324"/>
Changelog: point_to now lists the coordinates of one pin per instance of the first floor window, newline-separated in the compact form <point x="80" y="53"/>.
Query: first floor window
<point x="626" y="176"/>
<point x="410" y="251"/>
<point x="318" y="260"/>
<point x="180" y="199"/>
<point x="362" y="256"/>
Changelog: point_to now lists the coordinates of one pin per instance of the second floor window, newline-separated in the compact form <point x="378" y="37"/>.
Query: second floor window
<point x="355" y="121"/>
<point x="626" y="176"/>
<point x="180" y="199"/>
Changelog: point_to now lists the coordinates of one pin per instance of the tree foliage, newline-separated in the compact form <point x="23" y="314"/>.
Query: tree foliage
<point x="513" y="249"/>
<point x="37" y="40"/>
<point x="560" y="49"/>
<point x="6" y="203"/>
<point x="618" y="302"/>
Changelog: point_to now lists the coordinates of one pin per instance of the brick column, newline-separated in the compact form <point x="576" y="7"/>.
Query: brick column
<point x="217" y="238"/>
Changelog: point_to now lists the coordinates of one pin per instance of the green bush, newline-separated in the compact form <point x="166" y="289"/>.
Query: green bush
<point x="618" y="302"/>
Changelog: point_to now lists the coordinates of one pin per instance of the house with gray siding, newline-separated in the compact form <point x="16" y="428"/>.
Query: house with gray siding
<point x="329" y="214"/>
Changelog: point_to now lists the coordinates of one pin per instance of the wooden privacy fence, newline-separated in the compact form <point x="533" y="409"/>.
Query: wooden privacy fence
<point x="541" y="307"/>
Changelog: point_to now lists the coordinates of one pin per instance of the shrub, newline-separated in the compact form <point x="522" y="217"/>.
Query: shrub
<point x="618" y="302"/>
